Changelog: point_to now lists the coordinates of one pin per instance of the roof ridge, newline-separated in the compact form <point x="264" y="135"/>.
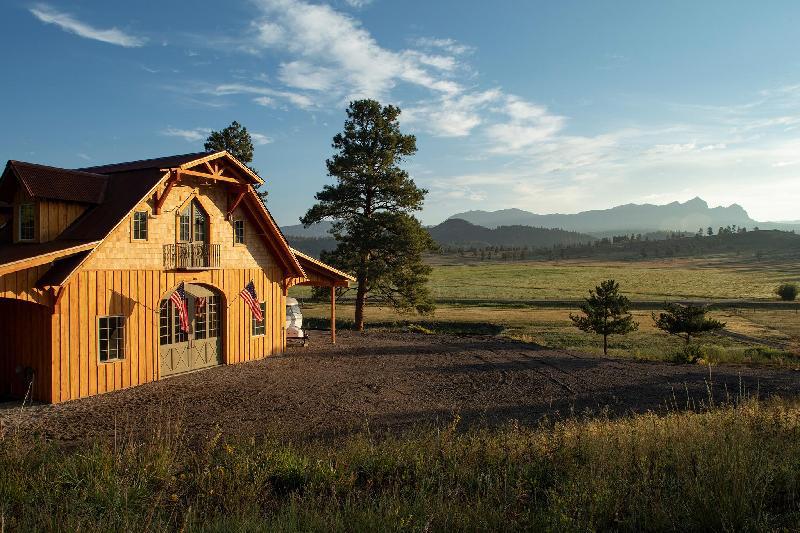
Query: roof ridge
<point x="142" y="161"/>
<point x="15" y="162"/>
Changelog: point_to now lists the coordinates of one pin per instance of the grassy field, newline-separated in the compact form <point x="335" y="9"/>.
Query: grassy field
<point x="729" y="468"/>
<point x="641" y="280"/>
<point x="754" y="336"/>
<point x="490" y="298"/>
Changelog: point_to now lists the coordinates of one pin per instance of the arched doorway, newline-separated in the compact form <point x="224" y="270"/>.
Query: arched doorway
<point x="201" y="346"/>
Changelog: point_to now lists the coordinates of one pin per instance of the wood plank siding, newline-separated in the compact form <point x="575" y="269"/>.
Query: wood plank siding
<point x="76" y="369"/>
<point x="51" y="217"/>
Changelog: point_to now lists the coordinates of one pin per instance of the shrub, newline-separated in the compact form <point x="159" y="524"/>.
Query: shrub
<point x="787" y="291"/>
<point x="691" y="353"/>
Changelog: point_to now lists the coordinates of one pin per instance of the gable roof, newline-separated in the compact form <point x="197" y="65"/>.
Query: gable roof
<point x="126" y="185"/>
<point x="52" y="183"/>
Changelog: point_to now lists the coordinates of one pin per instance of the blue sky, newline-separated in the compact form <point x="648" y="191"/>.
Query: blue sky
<point x="545" y="106"/>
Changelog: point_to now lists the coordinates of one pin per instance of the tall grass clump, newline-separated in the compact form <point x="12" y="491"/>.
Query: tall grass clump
<point x="732" y="468"/>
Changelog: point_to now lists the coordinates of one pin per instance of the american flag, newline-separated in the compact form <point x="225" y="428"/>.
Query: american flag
<point x="178" y="297"/>
<point x="249" y="295"/>
<point x="199" y="305"/>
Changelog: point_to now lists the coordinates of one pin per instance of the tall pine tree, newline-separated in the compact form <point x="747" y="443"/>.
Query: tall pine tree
<point x="371" y="206"/>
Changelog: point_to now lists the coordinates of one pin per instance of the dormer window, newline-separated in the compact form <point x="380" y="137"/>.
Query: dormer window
<point x="27" y="222"/>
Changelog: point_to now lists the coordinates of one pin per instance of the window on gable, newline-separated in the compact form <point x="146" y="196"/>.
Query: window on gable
<point x="140" y="225"/>
<point x="185" y="225"/>
<point x="238" y="231"/>
<point x="111" y="338"/>
<point x="27" y="222"/>
<point x="193" y="223"/>
<point x="260" y="326"/>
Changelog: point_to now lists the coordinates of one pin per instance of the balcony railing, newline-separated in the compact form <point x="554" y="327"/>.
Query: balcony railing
<point x="191" y="256"/>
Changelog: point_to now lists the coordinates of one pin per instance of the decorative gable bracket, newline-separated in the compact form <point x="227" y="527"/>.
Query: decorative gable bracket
<point x="158" y="200"/>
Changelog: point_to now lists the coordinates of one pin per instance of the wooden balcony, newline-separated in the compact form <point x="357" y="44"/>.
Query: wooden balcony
<point x="191" y="256"/>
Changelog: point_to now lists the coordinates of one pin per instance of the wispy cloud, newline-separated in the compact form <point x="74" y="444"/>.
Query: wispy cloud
<point x="259" y="139"/>
<point x="358" y="4"/>
<point x="68" y="23"/>
<point x="191" y="135"/>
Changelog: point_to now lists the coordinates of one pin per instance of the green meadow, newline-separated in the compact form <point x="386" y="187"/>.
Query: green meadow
<point x="640" y="280"/>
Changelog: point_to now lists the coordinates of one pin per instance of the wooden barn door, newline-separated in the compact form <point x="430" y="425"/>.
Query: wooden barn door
<point x="201" y="346"/>
<point x="205" y="347"/>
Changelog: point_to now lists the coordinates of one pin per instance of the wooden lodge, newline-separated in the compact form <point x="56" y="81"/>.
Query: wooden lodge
<point x="89" y="259"/>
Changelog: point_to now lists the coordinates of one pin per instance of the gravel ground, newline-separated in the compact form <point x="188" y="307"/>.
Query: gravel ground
<point x="390" y="381"/>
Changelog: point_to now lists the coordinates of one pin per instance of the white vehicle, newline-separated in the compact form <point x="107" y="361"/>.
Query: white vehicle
<point x="294" y="322"/>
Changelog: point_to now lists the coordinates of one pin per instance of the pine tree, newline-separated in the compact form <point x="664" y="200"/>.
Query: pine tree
<point x="605" y="312"/>
<point x="371" y="207"/>
<point x="686" y="321"/>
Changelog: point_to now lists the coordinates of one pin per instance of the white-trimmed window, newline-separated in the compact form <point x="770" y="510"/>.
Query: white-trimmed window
<point x="27" y="222"/>
<point x="111" y="338"/>
<point x="238" y="232"/>
<point x="260" y="326"/>
<point x="140" y="225"/>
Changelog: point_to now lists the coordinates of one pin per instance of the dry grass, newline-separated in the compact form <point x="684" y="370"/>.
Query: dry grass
<point x="729" y="468"/>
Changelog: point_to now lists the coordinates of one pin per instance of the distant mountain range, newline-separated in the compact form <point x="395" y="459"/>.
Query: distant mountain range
<point x="518" y="228"/>
<point x="629" y="218"/>
<point x="457" y="232"/>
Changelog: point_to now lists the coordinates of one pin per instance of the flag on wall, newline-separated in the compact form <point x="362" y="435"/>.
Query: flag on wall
<point x="178" y="298"/>
<point x="249" y="295"/>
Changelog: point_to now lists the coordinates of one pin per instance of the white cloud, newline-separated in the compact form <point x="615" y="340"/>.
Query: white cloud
<point x="302" y="75"/>
<point x="334" y="54"/>
<point x="266" y="94"/>
<point x="68" y="23"/>
<point x="529" y="124"/>
<point x="259" y="139"/>
<point x="448" y="45"/>
<point x="190" y="135"/>
<point x="358" y="4"/>
<point x="451" y="116"/>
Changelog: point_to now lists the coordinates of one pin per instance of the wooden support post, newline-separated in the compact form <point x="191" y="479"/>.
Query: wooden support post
<point x="333" y="314"/>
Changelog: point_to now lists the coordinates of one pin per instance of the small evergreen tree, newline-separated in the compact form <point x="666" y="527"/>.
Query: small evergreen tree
<point x="686" y="321"/>
<point x="787" y="291"/>
<point x="605" y="312"/>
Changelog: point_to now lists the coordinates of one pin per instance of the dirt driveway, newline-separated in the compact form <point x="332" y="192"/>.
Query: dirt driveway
<point x="392" y="380"/>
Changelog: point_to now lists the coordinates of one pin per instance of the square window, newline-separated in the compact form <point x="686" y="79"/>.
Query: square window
<point x="260" y="326"/>
<point x="111" y="338"/>
<point x="238" y="232"/>
<point x="27" y="222"/>
<point x="140" y="225"/>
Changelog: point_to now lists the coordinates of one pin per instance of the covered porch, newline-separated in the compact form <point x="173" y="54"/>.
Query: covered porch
<point x="318" y="274"/>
